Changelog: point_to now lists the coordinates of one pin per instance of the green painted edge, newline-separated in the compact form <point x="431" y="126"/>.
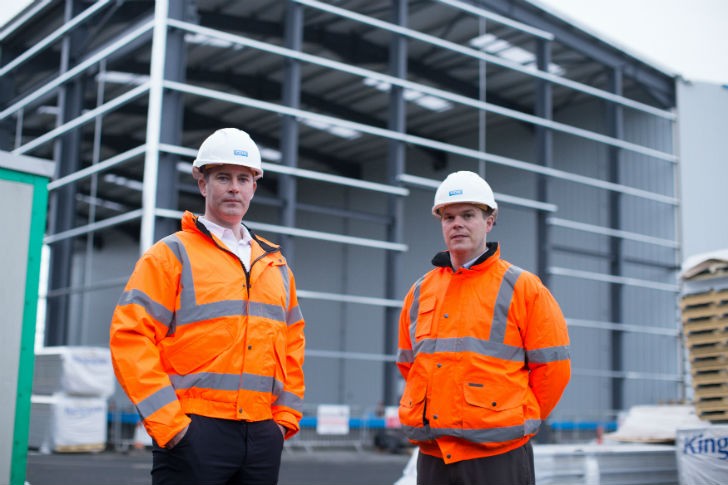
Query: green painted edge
<point x="38" y="213"/>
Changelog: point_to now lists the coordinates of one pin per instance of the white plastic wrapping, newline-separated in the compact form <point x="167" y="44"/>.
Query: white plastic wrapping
<point x="79" y="371"/>
<point x="62" y="423"/>
<point x="655" y="424"/>
<point x="702" y="455"/>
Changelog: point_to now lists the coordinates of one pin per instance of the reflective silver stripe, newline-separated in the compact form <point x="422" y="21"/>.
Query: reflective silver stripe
<point x="290" y="400"/>
<point x="470" y="344"/>
<point x="153" y="309"/>
<point x="187" y="283"/>
<point x="405" y="356"/>
<point x="156" y="401"/>
<point x="266" y="310"/>
<point x="484" y="435"/>
<point x="190" y="312"/>
<point x="294" y="315"/>
<point x="207" y="380"/>
<point x="253" y="382"/>
<point x="225" y="382"/>
<point x="548" y="354"/>
<point x="503" y="303"/>
<point x="286" y="283"/>
<point x="187" y="286"/>
<point x="415" y="310"/>
<point x="195" y="313"/>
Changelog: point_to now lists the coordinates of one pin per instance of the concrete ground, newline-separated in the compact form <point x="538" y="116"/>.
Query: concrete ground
<point x="299" y="467"/>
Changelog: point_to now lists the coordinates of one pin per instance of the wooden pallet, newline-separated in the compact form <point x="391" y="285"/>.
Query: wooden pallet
<point x="713" y="415"/>
<point x="706" y="365"/>
<point x="710" y="391"/>
<point x="698" y="352"/>
<point x="719" y="376"/>
<point x="709" y="297"/>
<point x="714" y="340"/>
<point x="710" y="325"/>
<point x="84" y="448"/>
<point x="712" y="407"/>
<point x="705" y="313"/>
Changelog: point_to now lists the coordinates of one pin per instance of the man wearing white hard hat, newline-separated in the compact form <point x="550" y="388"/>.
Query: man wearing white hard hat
<point x="483" y="348"/>
<point x="207" y="339"/>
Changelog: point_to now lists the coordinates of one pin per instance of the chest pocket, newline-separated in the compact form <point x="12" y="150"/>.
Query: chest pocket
<point x="425" y="318"/>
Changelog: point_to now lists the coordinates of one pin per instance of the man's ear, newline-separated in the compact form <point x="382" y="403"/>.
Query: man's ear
<point x="202" y="185"/>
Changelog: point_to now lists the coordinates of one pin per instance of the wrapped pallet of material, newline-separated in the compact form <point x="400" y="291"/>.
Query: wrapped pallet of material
<point x="704" y="306"/>
<point x="702" y="455"/>
<point x="655" y="423"/>
<point x="75" y="371"/>
<point x="66" y="424"/>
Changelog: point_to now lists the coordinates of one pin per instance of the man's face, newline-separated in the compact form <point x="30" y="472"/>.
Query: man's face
<point x="227" y="190"/>
<point x="464" y="227"/>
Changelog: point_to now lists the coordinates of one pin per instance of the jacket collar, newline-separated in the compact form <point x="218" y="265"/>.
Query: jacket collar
<point x="191" y="221"/>
<point x="442" y="259"/>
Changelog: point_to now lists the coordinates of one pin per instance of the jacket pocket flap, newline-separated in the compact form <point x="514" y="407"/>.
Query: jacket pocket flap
<point x="484" y="396"/>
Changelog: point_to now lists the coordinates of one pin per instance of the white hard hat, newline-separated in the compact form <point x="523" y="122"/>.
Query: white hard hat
<point x="463" y="187"/>
<point x="229" y="146"/>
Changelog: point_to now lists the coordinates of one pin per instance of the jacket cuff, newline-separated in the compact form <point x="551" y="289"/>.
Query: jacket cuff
<point x="289" y="421"/>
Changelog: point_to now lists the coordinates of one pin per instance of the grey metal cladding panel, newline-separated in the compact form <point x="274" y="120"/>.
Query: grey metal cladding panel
<point x="650" y="353"/>
<point x="647" y="173"/>
<point x="580" y="298"/>
<point x="648" y="130"/>
<point x="589" y="348"/>
<point x="650" y="307"/>
<point x="641" y="391"/>
<point x="579" y="203"/>
<point x="651" y="253"/>
<point x="647" y="217"/>
<point x="586" y="398"/>
<point x="362" y="382"/>
<point x="516" y="232"/>
<point x="565" y="238"/>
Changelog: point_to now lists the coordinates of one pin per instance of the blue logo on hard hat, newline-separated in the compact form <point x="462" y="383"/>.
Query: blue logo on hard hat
<point x="455" y="192"/>
<point x="240" y="153"/>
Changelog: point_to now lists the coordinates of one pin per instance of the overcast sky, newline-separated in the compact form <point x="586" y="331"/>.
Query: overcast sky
<point x="686" y="37"/>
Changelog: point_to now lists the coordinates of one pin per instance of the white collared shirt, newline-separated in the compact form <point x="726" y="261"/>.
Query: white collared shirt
<point x="241" y="248"/>
<point x="470" y="263"/>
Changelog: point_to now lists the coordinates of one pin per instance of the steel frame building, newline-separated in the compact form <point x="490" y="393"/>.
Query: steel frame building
<point x="361" y="107"/>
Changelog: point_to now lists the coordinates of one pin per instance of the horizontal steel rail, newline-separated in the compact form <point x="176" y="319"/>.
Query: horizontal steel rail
<point x="432" y="40"/>
<point x="456" y="98"/>
<point x="302" y="173"/>
<point x="606" y="231"/>
<point x="305" y="233"/>
<point x="504" y="198"/>
<point x="607" y="278"/>
<point x="417" y="140"/>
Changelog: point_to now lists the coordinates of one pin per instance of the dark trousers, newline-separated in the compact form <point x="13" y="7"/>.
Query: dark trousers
<point x="512" y="468"/>
<point x="221" y="452"/>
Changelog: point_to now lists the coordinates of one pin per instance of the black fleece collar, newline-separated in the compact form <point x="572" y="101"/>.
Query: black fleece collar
<point x="442" y="259"/>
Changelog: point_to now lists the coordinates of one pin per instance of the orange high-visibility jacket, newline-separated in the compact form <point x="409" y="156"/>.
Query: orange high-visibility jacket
<point x="485" y="355"/>
<point x="195" y="333"/>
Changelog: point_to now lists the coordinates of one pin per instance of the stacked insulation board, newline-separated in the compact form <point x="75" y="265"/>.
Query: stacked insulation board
<point x="704" y="307"/>
<point x="71" y="387"/>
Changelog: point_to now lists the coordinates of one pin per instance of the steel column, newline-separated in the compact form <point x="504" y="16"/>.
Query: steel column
<point x="615" y="127"/>
<point x="544" y="156"/>
<point x="170" y="131"/>
<point x="67" y="156"/>
<point x="288" y="186"/>
<point x="395" y="168"/>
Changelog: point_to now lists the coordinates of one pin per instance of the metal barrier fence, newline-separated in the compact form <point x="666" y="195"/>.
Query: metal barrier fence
<point x="366" y="428"/>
